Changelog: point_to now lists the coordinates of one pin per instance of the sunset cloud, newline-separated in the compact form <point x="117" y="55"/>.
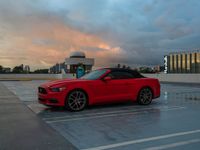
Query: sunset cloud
<point x="44" y="48"/>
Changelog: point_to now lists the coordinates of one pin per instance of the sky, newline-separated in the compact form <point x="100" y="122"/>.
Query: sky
<point x="41" y="33"/>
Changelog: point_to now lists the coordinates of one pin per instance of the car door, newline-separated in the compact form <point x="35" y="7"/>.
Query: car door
<point x="99" y="90"/>
<point x="119" y="87"/>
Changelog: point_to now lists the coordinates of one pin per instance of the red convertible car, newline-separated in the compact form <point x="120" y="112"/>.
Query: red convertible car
<point x="105" y="85"/>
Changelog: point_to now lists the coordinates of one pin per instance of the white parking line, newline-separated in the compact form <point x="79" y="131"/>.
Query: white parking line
<point x="109" y="112"/>
<point x="131" y="109"/>
<point x="172" y="145"/>
<point x="106" y="115"/>
<point x="143" y="140"/>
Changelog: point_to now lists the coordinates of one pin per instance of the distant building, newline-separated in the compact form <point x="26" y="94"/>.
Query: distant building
<point x="156" y="68"/>
<point x="27" y="68"/>
<point x="52" y="69"/>
<point x="78" y="59"/>
<point x="71" y="64"/>
<point x="182" y="62"/>
<point x="57" y="68"/>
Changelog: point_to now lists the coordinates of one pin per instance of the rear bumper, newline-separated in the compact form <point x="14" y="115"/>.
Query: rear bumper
<point x="156" y="93"/>
<point x="156" y="96"/>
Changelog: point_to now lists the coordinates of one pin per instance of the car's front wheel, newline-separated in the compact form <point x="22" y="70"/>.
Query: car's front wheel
<point x="145" y="96"/>
<point x="76" y="100"/>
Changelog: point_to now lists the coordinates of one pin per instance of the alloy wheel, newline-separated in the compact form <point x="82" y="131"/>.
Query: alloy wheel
<point x="145" y="96"/>
<point x="77" y="100"/>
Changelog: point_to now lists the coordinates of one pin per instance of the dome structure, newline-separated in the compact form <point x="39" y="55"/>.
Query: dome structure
<point x="77" y="54"/>
<point x="76" y="59"/>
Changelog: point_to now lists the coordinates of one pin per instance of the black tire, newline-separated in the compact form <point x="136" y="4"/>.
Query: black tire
<point x="145" y="96"/>
<point x="76" y="100"/>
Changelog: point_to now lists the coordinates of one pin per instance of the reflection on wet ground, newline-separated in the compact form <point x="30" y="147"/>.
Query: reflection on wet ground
<point x="177" y="110"/>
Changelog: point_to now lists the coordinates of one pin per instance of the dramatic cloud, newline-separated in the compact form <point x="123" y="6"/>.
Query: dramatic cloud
<point x="133" y="32"/>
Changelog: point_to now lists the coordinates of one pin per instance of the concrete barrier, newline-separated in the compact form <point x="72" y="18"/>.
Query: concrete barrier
<point x="179" y="78"/>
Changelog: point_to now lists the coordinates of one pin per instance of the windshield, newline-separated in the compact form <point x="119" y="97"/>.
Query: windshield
<point x="94" y="74"/>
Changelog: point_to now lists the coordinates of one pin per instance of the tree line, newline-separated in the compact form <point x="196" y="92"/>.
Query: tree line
<point x="20" y="69"/>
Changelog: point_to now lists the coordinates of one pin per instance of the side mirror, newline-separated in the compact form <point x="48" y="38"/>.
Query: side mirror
<point x="107" y="78"/>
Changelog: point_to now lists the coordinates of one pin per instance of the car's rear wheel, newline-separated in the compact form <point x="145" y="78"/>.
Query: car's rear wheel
<point x="145" y="96"/>
<point x="76" y="100"/>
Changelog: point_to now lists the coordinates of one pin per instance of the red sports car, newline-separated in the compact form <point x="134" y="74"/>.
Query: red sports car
<point x="105" y="85"/>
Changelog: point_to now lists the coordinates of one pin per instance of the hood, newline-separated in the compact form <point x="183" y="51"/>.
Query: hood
<point x="62" y="81"/>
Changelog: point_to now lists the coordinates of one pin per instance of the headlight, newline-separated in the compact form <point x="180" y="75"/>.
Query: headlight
<point x="57" y="89"/>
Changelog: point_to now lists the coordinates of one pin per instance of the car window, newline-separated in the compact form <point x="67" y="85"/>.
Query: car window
<point x="94" y="74"/>
<point x="120" y="75"/>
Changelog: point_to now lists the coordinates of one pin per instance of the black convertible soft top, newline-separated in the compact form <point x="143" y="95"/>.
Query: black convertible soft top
<point x="135" y="73"/>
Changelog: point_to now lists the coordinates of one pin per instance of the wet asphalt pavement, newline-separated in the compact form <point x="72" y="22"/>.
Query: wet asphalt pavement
<point x="21" y="129"/>
<point x="170" y="122"/>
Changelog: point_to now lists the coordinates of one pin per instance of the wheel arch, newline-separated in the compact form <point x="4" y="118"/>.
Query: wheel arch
<point x="146" y="86"/>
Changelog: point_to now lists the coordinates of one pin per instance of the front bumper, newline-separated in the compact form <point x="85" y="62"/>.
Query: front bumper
<point x="51" y="98"/>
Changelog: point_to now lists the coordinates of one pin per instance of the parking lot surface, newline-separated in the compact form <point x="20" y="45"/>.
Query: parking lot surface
<point x="21" y="129"/>
<point x="170" y="122"/>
